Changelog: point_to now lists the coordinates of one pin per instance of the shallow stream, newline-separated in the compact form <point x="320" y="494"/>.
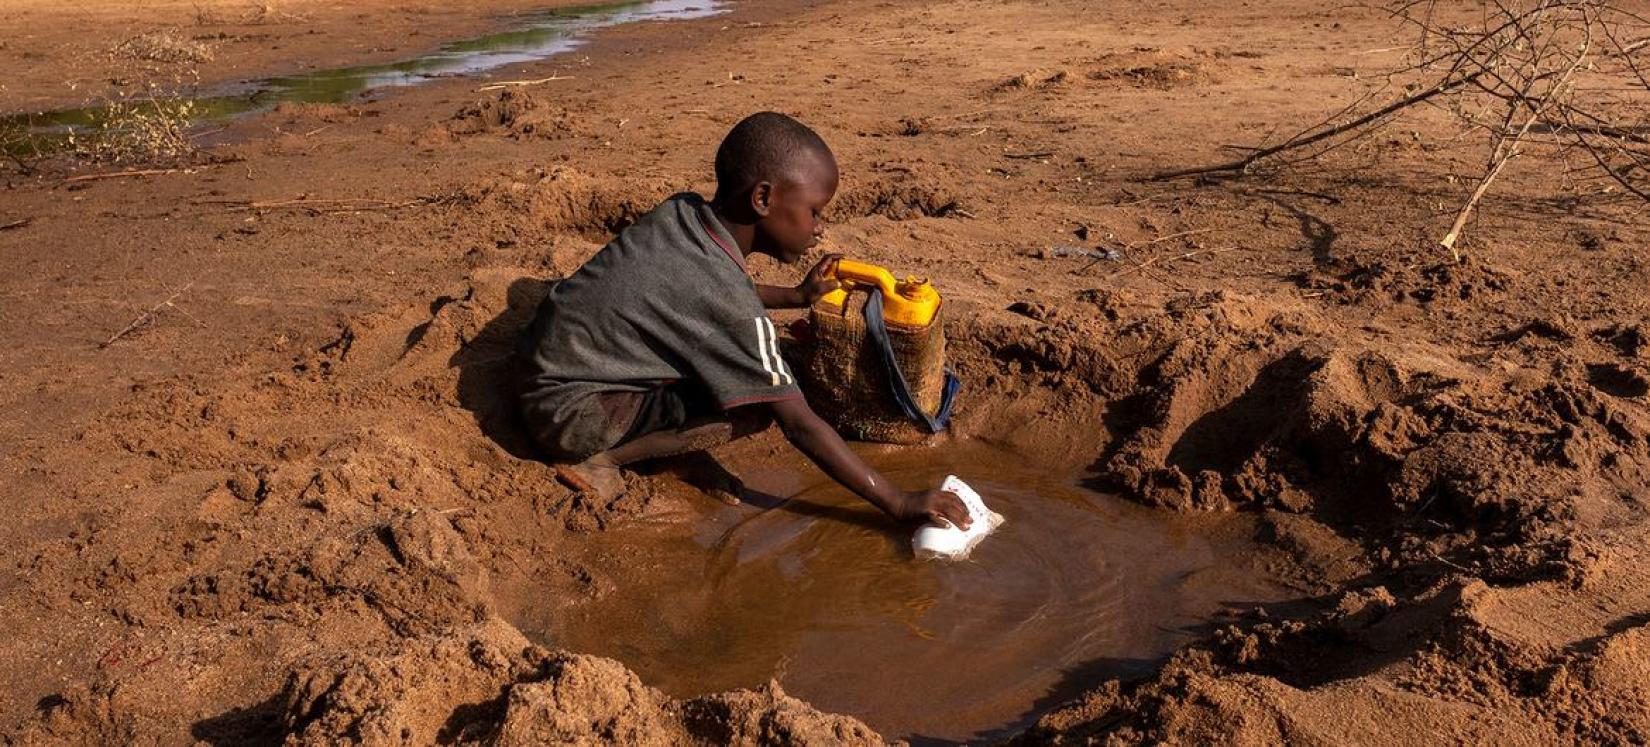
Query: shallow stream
<point x="822" y="593"/>
<point x="535" y="36"/>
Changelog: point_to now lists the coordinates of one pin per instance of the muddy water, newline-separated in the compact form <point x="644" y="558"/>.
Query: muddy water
<point x="535" y="37"/>
<point x="822" y="592"/>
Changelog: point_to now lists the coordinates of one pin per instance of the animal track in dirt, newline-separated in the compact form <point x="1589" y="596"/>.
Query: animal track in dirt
<point x="1631" y="340"/>
<point x="1618" y="380"/>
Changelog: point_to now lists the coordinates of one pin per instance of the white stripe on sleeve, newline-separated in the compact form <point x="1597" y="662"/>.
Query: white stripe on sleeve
<point x="778" y="362"/>
<point x="762" y="324"/>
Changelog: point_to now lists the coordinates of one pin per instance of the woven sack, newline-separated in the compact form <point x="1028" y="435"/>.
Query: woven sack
<point x="846" y="381"/>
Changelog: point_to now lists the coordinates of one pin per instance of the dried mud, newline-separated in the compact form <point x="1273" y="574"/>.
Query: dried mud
<point x="291" y="507"/>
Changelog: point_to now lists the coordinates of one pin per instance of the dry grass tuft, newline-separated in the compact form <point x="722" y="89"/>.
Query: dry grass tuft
<point x="164" y="46"/>
<point x="260" y="13"/>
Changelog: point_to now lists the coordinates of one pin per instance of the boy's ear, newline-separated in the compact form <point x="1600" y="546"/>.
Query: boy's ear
<point x="762" y="198"/>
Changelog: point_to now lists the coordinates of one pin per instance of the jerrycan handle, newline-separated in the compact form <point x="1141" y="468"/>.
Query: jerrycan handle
<point x="862" y="273"/>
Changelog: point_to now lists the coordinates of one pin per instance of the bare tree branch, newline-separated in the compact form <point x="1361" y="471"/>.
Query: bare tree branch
<point x="1550" y="77"/>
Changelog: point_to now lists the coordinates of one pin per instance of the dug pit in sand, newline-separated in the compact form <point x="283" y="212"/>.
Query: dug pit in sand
<point x="822" y="594"/>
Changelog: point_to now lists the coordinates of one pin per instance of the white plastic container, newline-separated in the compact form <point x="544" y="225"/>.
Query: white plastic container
<point x="940" y="540"/>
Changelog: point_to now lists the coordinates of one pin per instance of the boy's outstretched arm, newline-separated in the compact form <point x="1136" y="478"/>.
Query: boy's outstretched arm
<point x="817" y="283"/>
<point x="814" y="438"/>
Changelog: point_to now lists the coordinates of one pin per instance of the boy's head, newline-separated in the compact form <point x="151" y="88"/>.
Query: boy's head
<point x="777" y="175"/>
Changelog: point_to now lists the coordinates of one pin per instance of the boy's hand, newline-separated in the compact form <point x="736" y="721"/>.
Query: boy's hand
<point x="929" y="505"/>
<point x="813" y="437"/>
<point x="819" y="280"/>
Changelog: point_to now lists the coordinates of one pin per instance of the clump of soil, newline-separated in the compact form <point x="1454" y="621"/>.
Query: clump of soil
<point x="1242" y="405"/>
<point x="514" y="113"/>
<point x="540" y="202"/>
<point x="296" y="111"/>
<point x="1146" y="67"/>
<point x="898" y="195"/>
<point x="1470" y="679"/>
<point x="487" y="685"/>
<point x="1384" y="282"/>
<point x="414" y="561"/>
<point x="1033" y="79"/>
<point x="475" y="684"/>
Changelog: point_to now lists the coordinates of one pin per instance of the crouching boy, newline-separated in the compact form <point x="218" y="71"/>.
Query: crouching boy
<point x="661" y="343"/>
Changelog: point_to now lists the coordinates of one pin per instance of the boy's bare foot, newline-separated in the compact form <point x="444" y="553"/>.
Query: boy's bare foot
<point x="598" y="476"/>
<point x="729" y="490"/>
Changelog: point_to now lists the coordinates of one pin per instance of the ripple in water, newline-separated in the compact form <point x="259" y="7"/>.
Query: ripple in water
<point x="822" y="593"/>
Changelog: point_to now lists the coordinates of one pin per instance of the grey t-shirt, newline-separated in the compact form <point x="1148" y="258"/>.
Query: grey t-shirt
<point x="668" y="300"/>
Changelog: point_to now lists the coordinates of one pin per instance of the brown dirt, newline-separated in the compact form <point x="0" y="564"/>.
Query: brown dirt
<point x="291" y="506"/>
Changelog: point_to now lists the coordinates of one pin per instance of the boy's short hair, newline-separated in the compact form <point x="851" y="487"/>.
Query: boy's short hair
<point x="760" y="148"/>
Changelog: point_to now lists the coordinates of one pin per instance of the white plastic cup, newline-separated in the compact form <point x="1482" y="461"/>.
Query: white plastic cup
<point x="941" y="540"/>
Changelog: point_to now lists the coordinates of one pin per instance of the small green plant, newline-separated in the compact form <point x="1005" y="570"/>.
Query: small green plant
<point x="15" y="149"/>
<point x="153" y="127"/>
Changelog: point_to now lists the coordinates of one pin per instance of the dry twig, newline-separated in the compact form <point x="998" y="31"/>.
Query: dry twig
<point x="144" y="318"/>
<point x="1243" y="164"/>
<point x="1133" y="245"/>
<point x="521" y="83"/>
<point x="1509" y="143"/>
<point x="1170" y="258"/>
<point x="121" y="174"/>
<point x="321" y="206"/>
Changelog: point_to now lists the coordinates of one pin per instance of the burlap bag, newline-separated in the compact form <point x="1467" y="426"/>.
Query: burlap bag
<point x="846" y="382"/>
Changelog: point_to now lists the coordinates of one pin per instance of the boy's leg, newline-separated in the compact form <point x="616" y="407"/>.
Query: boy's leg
<point x="600" y="474"/>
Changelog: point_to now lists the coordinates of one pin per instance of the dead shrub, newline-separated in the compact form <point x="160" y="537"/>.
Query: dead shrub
<point x="164" y="46"/>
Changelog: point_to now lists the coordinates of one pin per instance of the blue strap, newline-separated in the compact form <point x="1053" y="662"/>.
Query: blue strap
<point x="878" y="329"/>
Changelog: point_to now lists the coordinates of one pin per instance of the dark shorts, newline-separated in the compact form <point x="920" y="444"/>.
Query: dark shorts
<point x="575" y="429"/>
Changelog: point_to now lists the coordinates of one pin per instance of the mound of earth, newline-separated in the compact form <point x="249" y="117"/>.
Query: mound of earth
<point x="488" y="685"/>
<point x="515" y="113"/>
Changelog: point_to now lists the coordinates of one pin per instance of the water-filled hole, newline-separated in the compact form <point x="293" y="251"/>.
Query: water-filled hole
<point x="822" y="593"/>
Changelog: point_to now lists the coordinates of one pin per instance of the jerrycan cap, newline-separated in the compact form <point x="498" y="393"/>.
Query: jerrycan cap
<point x="917" y="289"/>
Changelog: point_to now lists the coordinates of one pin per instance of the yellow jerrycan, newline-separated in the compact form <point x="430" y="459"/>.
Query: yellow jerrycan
<point x="876" y="366"/>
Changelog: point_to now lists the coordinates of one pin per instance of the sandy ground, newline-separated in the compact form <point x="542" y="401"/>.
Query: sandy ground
<point x="291" y="506"/>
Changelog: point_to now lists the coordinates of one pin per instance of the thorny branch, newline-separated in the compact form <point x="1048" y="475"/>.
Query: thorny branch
<point x="1529" y="76"/>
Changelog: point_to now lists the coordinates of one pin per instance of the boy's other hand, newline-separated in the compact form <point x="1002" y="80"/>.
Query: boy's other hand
<point x="819" y="281"/>
<point x="929" y="505"/>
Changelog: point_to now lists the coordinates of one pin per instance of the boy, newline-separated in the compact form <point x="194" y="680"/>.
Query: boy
<point x="661" y="345"/>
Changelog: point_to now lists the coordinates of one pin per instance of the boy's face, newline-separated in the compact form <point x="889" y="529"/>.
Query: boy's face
<point x="794" y="221"/>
